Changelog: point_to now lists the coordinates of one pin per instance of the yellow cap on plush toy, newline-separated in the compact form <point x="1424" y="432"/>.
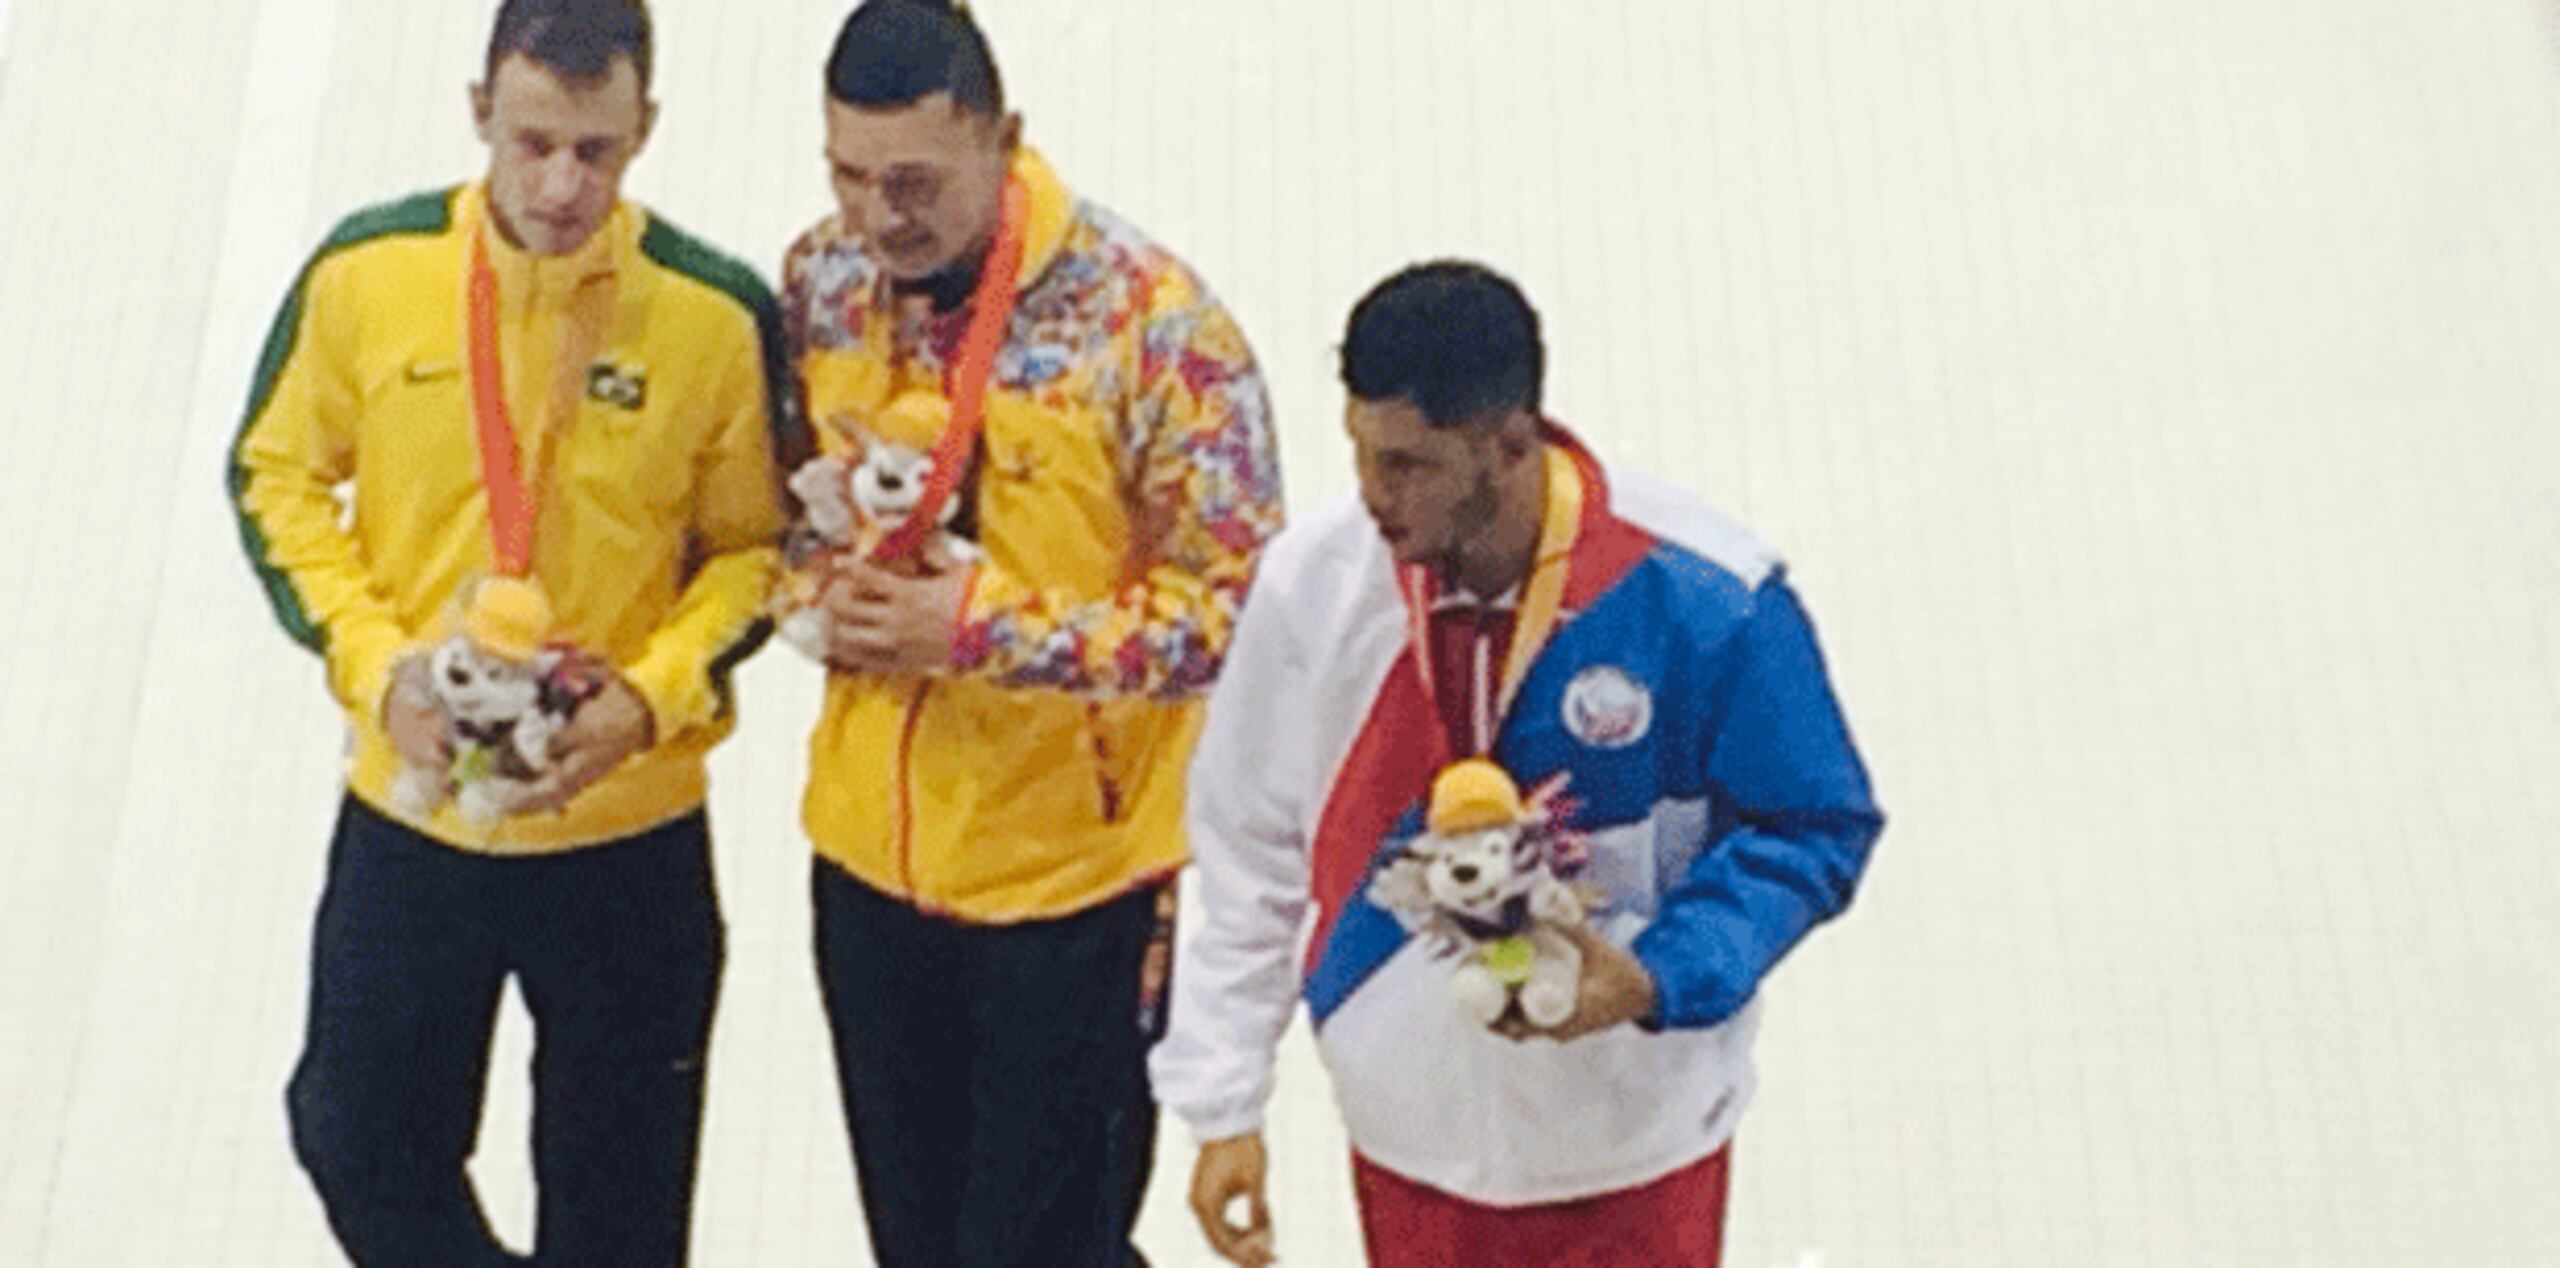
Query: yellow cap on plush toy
<point x="508" y="617"/>
<point x="915" y="419"/>
<point x="1471" y="796"/>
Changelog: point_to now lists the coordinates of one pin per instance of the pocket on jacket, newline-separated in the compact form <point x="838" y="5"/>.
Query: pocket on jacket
<point x="1034" y="757"/>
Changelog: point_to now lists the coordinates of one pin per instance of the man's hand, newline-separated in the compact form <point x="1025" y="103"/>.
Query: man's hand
<point x="1227" y="1170"/>
<point x="895" y="626"/>
<point x="1616" y="989"/>
<point x="413" y="717"/>
<point x="605" y="731"/>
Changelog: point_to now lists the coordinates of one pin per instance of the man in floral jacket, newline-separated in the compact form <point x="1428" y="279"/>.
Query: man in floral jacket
<point x="996" y="781"/>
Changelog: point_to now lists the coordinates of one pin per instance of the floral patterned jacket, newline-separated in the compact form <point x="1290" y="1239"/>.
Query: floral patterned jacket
<point x="1125" y="481"/>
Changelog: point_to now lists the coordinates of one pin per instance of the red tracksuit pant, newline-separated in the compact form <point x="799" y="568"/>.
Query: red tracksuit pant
<point x="1674" y="1222"/>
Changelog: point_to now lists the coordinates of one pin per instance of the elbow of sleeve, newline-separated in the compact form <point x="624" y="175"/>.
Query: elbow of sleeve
<point x="1844" y="852"/>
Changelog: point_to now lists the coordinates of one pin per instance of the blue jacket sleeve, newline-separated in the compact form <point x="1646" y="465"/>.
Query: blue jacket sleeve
<point x="1787" y="780"/>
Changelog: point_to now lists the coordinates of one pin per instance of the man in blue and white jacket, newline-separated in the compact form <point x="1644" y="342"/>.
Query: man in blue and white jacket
<point x="1496" y="591"/>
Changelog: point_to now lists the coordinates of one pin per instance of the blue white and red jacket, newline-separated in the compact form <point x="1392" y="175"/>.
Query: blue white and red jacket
<point x="1726" y="809"/>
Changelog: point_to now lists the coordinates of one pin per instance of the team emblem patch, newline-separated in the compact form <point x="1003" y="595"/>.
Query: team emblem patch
<point x="622" y="387"/>
<point x="1604" y="708"/>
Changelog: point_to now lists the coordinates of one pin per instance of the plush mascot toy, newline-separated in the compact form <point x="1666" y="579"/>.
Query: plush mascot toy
<point x="852" y="500"/>
<point x="507" y="691"/>
<point x="1488" y="877"/>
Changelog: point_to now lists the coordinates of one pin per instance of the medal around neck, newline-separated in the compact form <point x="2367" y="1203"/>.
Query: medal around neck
<point x="506" y="685"/>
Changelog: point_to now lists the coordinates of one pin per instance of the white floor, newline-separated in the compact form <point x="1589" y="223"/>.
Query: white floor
<point x="2157" y="402"/>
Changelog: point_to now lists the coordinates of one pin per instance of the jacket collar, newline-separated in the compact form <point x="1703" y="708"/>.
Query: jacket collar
<point x="548" y="280"/>
<point x="1048" y="210"/>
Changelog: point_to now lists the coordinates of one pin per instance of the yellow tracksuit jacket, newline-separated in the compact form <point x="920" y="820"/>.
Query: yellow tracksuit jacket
<point x="659" y="510"/>
<point x="1126" y="482"/>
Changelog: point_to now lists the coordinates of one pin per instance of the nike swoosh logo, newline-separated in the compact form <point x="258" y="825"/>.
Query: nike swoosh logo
<point x="430" y="371"/>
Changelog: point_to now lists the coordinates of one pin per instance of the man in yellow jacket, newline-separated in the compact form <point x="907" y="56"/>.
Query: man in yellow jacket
<point x="996" y="780"/>
<point x="524" y="377"/>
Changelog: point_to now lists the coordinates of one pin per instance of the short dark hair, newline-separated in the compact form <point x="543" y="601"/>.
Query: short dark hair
<point x="898" y="52"/>
<point x="574" y="39"/>
<point x="1457" y="340"/>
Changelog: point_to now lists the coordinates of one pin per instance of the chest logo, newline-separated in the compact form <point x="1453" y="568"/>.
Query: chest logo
<point x="622" y="387"/>
<point x="1605" y="708"/>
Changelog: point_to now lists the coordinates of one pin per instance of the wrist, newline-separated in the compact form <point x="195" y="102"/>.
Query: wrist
<point x="647" y="718"/>
<point x="626" y="710"/>
<point x="1648" y="999"/>
<point x="401" y="686"/>
<point x="1225" y="1125"/>
<point x="1648" y="1009"/>
<point x="955" y="640"/>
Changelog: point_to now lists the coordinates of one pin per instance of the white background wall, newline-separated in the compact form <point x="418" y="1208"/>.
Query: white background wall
<point x="2155" y="401"/>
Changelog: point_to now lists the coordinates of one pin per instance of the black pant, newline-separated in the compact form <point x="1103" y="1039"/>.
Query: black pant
<point x="617" y="949"/>
<point x="993" y="1077"/>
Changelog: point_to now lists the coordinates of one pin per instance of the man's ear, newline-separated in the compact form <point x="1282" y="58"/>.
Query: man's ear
<point x="1518" y="435"/>
<point x="1009" y="132"/>
<point x="648" y="124"/>
<point x="481" y="111"/>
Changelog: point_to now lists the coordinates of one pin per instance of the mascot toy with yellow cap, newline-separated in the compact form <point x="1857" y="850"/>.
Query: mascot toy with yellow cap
<point x="506" y="690"/>
<point x="851" y="500"/>
<point x="1488" y="878"/>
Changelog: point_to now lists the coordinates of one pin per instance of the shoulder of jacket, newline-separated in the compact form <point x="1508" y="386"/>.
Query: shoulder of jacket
<point x="694" y="260"/>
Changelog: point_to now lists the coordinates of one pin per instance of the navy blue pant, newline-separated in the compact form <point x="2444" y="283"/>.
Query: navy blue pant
<point x="617" y="949"/>
<point x="993" y="1076"/>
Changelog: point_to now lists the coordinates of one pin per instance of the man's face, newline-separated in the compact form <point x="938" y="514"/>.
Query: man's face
<point x="1430" y="489"/>
<point x="558" y="148"/>
<point x="922" y="183"/>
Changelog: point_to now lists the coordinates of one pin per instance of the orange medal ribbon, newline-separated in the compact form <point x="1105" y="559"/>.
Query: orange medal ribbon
<point x="990" y="311"/>
<point x="511" y="499"/>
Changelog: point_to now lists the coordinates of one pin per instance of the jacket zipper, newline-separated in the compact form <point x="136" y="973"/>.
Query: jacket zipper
<point x="905" y="790"/>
